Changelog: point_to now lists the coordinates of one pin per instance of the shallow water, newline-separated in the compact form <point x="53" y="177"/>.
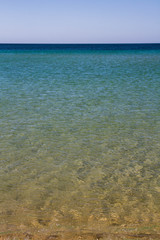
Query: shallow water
<point x="79" y="139"/>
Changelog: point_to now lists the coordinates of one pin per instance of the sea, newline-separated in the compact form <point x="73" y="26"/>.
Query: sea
<point x="79" y="139"/>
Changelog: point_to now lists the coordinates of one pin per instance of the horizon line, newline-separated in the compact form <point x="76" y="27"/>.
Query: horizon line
<point x="79" y="43"/>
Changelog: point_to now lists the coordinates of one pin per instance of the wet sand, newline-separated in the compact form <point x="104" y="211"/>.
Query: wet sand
<point x="112" y="233"/>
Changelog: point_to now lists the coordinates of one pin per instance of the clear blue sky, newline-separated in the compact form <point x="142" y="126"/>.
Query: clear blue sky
<point x="79" y="21"/>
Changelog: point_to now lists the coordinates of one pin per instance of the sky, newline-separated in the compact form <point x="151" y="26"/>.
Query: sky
<point x="79" y="21"/>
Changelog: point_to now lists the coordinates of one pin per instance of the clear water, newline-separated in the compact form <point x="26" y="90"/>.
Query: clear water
<point x="79" y="138"/>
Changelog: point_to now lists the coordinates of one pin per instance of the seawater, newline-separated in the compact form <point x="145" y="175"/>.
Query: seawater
<point x="79" y="136"/>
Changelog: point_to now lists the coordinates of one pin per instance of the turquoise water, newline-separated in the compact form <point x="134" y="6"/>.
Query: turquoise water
<point x="79" y="139"/>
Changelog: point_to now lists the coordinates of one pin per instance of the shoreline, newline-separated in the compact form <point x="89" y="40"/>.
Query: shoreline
<point x="112" y="233"/>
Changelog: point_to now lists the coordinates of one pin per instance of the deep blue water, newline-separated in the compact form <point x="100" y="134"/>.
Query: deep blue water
<point x="138" y="46"/>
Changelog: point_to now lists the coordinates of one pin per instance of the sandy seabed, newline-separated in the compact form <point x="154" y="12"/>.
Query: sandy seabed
<point x="112" y="233"/>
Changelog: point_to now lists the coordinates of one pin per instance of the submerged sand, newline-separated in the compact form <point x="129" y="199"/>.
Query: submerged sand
<point x="112" y="233"/>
